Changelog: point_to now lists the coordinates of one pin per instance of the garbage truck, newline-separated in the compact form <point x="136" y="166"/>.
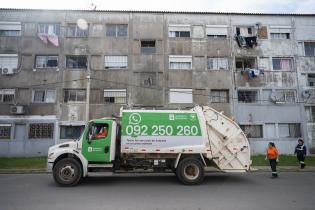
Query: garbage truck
<point x="184" y="142"/>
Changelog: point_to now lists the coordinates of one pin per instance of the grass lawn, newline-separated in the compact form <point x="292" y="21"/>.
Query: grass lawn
<point x="39" y="163"/>
<point x="284" y="160"/>
<point x="34" y="163"/>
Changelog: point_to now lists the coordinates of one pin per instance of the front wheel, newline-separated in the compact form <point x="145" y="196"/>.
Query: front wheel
<point x="190" y="171"/>
<point x="67" y="172"/>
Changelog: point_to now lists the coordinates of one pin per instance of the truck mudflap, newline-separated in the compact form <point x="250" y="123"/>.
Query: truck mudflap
<point x="230" y="150"/>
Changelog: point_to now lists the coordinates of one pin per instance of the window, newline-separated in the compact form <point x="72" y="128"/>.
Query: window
<point x="48" y="28"/>
<point x="41" y="131"/>
<point x="179" y="31"/>
<point x="286" y="96"/>
<point x="219" y="96"/>
<point x="280" y="35"/>
<point x="71" y="132"/>
<point x="44" y="96"/>
<point x="310" y="113"/>
<point x="309" y="48"/>
<point x="10" y="28"/>
<point x="76" y="61"/>
<point x="117" y="30"/>
<point x="270" y="130"/>
<point x="8" y="63"/>
<point x="247" y="96"/>
<point x="282" y="64"/>
<point x="116" y="62"/>
<point x="74" y="95"/>
<point x="217" y="31"/>
<point x="5" y="131"/>
<point x="280" y="32"/>
<point x="245" y="31"/>
<point x="311" y="80"/>
<point x="74" y="30"/>
<point x="46" y="61"/>
<point x="289" y="130"/>
<point x="217" y="63"/>
<point x="116" y="96"/>
<point x="180" y="62"/>
<point x="243" y="63"/>
<point x="252" y="131"/>
<point x="7" y="95"/>
<point x="147" y="47"/>
<point x="99" y="130"/>
<point x="181" y="96"/>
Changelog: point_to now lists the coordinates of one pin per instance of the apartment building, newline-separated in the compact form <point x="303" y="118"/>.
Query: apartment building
<point x="60" y="68"/>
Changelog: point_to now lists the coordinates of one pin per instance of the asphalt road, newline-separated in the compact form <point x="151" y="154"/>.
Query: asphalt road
<point x="219" y="191"/>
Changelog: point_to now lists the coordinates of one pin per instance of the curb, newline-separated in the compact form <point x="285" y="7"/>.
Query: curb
<point x="24" y="171"/>
<point x="283" y="169"/>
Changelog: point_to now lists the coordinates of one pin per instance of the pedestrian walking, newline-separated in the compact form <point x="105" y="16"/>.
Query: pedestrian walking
<point x="300" y="152"/>
<point x="272" y="155"/>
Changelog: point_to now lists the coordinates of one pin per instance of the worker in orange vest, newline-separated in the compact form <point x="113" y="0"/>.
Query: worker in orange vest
<point x="102" y="133"/>
<point x="272" y="155"/>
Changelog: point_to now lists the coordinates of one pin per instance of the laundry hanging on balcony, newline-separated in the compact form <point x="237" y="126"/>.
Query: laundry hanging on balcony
<point x="246" y="42"/>
<point x="51" y="38"/>
<point x="249" y="74"/>
<point x="251" y="41"/>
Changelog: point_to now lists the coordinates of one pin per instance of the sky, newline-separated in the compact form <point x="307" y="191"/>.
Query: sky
<point x="260" y="6"/>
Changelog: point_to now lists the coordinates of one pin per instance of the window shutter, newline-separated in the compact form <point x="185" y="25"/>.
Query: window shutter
<point x="179" y="28"/>
<point x="10" y="26"/>
<point x="217" y="30"/>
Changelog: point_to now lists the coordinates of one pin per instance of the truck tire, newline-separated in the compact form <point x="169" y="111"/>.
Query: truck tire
<point x="67" y="172"/>
<point x="190" y="171"/>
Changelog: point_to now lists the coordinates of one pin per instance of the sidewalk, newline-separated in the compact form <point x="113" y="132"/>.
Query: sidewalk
<point x="283" y="168"/>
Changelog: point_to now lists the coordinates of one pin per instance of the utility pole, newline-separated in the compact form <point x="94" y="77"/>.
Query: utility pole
<point x="88" y="89"/>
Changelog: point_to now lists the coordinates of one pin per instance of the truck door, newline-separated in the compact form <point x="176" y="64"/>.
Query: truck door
<point x="97" y="141"/>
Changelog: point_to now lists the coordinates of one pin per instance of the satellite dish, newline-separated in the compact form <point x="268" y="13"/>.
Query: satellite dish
<point x="306" y="93"/>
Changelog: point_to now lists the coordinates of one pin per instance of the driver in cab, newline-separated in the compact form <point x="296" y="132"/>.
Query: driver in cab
<point x="103" y="132"/>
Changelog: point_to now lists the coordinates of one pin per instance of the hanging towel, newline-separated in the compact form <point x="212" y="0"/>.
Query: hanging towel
<point x="43" y="38"/>
<point x="250" y="74"/>
<point x="256" y="72"/>
<point x="53" y="39"/>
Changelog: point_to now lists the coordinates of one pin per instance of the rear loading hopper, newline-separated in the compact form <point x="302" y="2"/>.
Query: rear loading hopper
<point x="230" y="150"/>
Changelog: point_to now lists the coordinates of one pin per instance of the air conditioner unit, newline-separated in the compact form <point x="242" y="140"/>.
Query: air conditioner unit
<point x="17" y="109"/>
<point x="7" y="71"/>
<point x="274" y="97"/>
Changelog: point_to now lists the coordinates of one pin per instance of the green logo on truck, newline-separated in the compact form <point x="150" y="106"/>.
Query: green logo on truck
<point x="134" y="119"/>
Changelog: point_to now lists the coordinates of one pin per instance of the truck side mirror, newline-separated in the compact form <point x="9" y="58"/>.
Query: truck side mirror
<point x="91" y="134"/>
<point x="89" y="140"/>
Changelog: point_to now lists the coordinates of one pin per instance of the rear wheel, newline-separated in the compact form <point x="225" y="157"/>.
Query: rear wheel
<point x="67" y="172"/>
<point x="190" y="171"/>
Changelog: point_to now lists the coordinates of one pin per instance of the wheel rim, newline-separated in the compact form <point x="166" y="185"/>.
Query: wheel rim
<point x="67" y="173"/>
<point x="191" y="171"/>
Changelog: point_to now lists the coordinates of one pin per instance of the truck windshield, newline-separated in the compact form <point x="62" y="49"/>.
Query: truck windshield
<point x="77" y="139"/>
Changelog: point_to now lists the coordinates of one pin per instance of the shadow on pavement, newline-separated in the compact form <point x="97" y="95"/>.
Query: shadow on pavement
<point x="162" y="179"/>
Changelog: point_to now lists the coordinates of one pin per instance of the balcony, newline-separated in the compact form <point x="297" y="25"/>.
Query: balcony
<point x="276" y="79"/>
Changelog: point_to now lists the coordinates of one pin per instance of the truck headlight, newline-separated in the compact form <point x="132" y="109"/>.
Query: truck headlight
<point x="50" y="155"/>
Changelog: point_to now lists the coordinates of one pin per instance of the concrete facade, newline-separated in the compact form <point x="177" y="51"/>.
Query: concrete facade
<point x="155" y="60"/>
